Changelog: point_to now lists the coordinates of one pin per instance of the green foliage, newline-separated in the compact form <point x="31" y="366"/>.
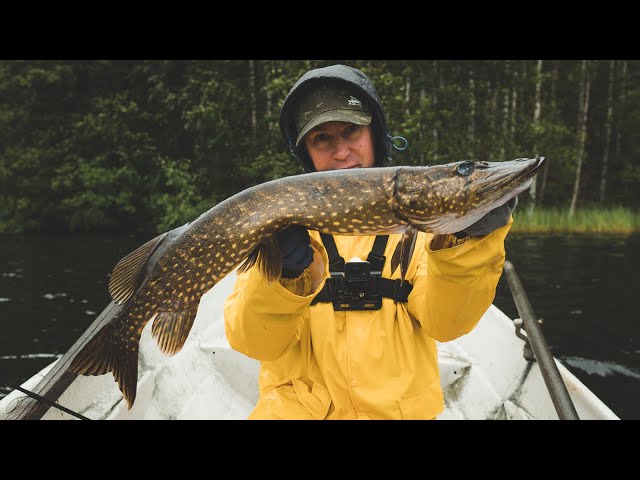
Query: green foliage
<point x="90" y="145"/>
<point x="178" y="199"/>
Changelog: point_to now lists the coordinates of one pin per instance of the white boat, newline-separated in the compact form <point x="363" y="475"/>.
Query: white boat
<point x="484" y="375"/>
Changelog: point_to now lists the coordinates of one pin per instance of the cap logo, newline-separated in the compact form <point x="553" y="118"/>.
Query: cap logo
<point x="354" y="101"/>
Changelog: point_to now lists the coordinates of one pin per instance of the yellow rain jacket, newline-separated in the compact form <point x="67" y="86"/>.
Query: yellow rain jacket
<point x="317" y="363"/>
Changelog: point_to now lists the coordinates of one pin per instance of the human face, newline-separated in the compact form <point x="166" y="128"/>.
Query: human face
<point x="338" y="145"/>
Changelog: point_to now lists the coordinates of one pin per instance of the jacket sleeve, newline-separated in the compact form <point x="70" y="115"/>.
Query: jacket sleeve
<point x="262" y="319"/>
<point x="455" y="286"/>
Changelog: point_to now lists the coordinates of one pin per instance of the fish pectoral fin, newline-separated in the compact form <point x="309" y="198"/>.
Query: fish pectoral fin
<point x="403" y="252"/>
<point x="395" y="258"/>
<point x="100" y="356"/>
<point x="407" y="251"/>
<point x="268" y="258"/>
<point x="171" y="329"/>
<point x="125" y="278"/>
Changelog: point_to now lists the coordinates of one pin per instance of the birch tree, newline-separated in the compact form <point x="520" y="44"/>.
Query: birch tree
<point x="607" y="132"/>
<point x="438" y="82"/>
<point x="552" y="109"/>
<point x="423" y="96"/>
<point x="536" y="129"/>
<point x="472" y="113"/>
<point x="513" y="107"/>
<point x="582" y="138"/>
<point x="252" y="94"/>
<point x="505" y="112"/>
<point x="621" y="100"/>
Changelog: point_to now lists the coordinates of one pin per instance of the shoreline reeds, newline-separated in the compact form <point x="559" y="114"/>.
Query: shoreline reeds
<point x="587" y="220"/>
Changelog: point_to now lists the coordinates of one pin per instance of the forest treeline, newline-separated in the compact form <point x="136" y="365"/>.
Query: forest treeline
<point x="122" y="145"/>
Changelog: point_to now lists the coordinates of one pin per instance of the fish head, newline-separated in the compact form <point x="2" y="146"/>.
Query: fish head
<point x="448" y="198"/>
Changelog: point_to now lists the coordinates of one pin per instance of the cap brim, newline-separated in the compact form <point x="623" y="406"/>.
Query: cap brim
<point x="349" y="116"/>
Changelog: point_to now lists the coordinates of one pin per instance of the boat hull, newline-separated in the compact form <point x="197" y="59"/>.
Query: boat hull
<point x="484" y="375"/>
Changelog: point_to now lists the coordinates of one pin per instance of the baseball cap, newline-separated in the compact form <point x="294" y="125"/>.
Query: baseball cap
<point x="330" y="103"/>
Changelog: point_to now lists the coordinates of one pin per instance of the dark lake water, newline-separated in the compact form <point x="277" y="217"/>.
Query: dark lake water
<point x="584" y="287"/>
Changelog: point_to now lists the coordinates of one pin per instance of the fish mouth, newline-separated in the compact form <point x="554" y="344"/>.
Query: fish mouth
<point x="511" y="179"/>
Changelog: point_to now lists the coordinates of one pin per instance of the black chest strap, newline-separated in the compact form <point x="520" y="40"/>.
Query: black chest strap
<point x="376" y="257"/>
<point x="395" y="289"/>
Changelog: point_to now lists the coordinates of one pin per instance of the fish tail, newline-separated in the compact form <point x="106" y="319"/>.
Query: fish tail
<point x="101" y="356"/>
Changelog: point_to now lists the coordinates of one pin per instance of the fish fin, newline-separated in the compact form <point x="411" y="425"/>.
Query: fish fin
<point x="171" y="329"/>
<point x="449" y="222"/>
<point x="395" y="258"/>
<point x="251" y="259"/>
<point x="407" y="251"/>
<point x="125" y="278"/>
<point x="100" y="356"/>
<point x="268" y="258"/>
<point x="403" y="252"/>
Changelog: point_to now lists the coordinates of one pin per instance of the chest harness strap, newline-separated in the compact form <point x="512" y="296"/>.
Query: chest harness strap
<point x="352" y="288"/>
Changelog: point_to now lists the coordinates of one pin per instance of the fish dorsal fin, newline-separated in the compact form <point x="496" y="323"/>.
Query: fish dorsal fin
<point x="268" y="258"/>
<point x="125" y="276"/>
<point x="403" y="252"/>
<point x="171" y="329"/>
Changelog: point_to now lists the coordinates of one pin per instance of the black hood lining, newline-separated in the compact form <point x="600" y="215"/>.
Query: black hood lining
<point x="344" y="75"/>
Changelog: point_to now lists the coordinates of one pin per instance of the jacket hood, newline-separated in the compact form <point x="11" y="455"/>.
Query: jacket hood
<point x="340" y="74"/>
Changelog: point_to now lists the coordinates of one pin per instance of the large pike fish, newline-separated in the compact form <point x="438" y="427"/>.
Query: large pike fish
<point x="164" y="279"/>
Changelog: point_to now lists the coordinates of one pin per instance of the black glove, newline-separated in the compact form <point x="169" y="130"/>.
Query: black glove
<point x="496" y="218"/>
<point x="295" y="247"/>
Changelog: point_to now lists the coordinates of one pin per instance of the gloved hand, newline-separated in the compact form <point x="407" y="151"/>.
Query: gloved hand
<point x="496" y="218"/>
<point x="295" y="247"/>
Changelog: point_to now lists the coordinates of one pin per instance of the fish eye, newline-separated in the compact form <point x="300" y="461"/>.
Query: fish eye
<point x="465" y="169"/>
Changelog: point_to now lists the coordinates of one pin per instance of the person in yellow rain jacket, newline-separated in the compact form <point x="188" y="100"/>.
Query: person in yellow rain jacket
<point x="326" y="356"/>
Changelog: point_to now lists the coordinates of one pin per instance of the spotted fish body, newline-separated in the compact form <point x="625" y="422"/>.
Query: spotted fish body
<point x="164" y="279"/>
